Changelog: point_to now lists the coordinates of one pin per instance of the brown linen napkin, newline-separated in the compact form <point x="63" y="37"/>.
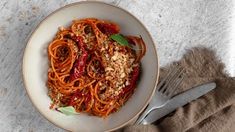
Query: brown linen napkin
<point x="214" y="112"/>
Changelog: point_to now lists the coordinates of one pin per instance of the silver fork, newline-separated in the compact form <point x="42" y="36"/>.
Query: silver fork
<point x="164" y="92"/>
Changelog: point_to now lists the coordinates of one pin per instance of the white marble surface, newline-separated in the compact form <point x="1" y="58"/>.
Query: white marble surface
<point x="176" y="25"/>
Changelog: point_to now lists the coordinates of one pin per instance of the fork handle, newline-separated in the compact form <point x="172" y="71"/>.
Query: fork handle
<point x="143" y="115"/>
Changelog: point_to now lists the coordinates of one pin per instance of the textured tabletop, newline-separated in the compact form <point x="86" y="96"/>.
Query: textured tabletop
<point x="176" y="25"/>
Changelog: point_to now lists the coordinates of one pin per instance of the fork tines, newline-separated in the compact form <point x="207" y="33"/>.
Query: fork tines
<point x="170" y="83"/>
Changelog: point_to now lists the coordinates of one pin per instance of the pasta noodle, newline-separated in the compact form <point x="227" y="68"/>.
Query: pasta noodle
<point x="90" y="71"/>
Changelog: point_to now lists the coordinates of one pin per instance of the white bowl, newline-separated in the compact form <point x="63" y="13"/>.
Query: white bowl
<point x="35" y="66"/>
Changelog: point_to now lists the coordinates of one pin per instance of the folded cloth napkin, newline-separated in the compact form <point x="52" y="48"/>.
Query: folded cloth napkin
<point x="213" y="112"/>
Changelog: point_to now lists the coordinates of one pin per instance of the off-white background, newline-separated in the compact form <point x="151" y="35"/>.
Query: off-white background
<point x="176" y="26"/>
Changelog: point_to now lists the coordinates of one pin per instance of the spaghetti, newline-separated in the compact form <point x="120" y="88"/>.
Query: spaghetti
<point x="90" y="71"/>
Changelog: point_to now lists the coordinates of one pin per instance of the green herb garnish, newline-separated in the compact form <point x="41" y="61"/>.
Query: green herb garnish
<point x="68" y="110"/>
<point x="120" y="39"/>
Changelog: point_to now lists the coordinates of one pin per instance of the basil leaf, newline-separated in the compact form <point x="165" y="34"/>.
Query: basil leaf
<point x="120" y="39"/>
<point x="68" y="110"/>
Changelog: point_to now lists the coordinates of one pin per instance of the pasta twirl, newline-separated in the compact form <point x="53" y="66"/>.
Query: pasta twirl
<point x="90" y="71"/>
